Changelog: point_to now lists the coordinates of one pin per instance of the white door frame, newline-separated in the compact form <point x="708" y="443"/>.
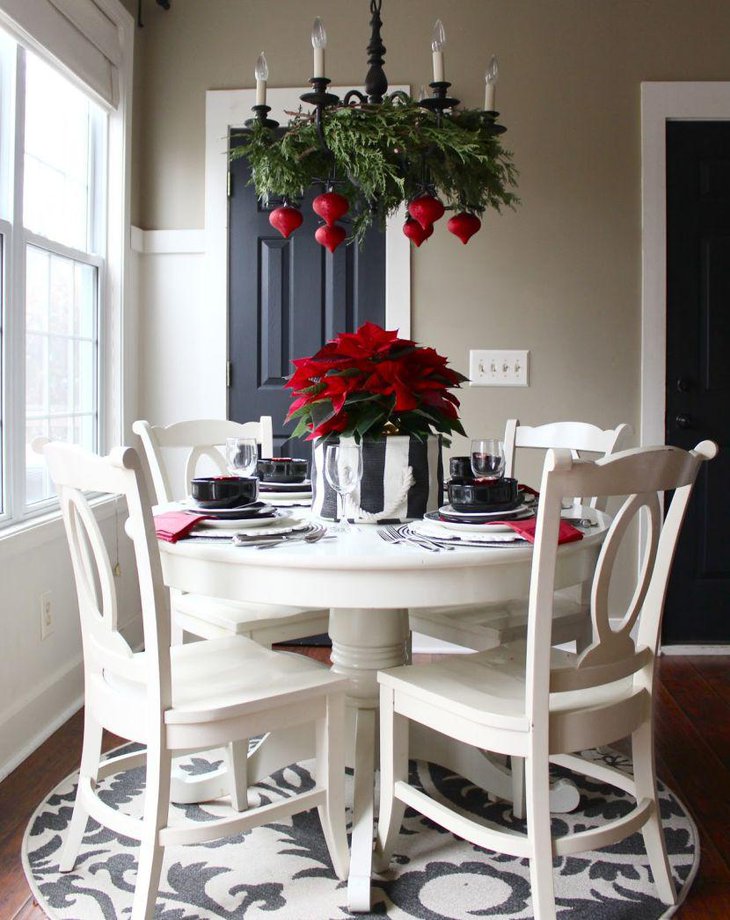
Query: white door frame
<point x="226" y="109"/>
<point x="662" y="102"/>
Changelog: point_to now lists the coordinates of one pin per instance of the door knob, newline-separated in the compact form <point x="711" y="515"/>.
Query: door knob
<point x="683" y="385"/>
<point x="683" y="421"/>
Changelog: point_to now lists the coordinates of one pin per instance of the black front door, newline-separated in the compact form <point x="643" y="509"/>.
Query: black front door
<point x="286" y="299"/>
<point x="698" y="371"/>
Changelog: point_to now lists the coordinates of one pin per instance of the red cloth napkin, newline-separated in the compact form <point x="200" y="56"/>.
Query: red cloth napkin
<point x="566" y="534"/>
<point x="521" y="487"/>
<point x="171" y="526"/>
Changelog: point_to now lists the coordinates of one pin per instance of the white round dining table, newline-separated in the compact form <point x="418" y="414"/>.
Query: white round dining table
<point x="369" y="586"/>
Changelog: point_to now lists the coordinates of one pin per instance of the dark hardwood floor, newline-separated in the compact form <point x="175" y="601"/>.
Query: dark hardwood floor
<point x="693" y="757"/>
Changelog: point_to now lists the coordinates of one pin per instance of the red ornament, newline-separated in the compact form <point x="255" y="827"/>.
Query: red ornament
<point x="330" y="207"/>
<point x="286" y="219"/>
<point x="330" y="236"/>
<point x="464" y="226"/>
<point x="426" y="210"/>
<point x="415" y="232"/>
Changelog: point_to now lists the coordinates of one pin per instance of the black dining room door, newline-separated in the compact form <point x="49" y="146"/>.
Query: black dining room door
<point x="287" y="297"/>
<point x="698" y="371"/>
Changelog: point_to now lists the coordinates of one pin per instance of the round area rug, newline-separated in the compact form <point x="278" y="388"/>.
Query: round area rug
<point x="283" y="872"/>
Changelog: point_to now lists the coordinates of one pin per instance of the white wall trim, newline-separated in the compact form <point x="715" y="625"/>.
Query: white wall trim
<point x="695" y="650"/>
<point x="226" y="109"/>
<point x="662" y="102"/>
<point x="167" y="242"/>
<point x="64" y="689"/>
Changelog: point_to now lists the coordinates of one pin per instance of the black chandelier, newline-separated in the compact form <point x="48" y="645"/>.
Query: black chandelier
<point x="379" y="149"/>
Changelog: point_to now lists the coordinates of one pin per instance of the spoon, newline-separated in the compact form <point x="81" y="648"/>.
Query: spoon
<point x="313" y="537"/>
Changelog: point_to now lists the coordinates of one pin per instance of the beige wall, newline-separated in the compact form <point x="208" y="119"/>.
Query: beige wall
<point x="561" y="275"/>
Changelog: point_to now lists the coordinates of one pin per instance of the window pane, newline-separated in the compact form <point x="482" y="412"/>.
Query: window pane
<point x="57" y="157"/>
<point x="61" y="358"/>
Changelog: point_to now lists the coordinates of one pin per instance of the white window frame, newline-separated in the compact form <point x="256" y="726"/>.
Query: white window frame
<point x="110" y="236"/>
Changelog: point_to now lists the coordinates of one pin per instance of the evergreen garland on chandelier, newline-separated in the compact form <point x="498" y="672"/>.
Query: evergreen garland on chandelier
<point x="373" y="152"/>
<point x="377" y="156"/>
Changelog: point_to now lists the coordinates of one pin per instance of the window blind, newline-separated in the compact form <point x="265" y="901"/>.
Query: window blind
<point x="78" y="33"/>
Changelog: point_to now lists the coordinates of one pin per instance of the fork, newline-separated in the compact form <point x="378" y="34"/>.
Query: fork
<point x="391" y="534"/>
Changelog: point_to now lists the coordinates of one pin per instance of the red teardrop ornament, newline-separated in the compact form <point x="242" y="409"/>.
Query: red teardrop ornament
<point x="330" y="237"/>
<point x="426" y="210"/>
<point x="330" y="207"/>
<point x="415" y="232"/>
<point x="464" y="226"/>
<point x="286" y="219"/>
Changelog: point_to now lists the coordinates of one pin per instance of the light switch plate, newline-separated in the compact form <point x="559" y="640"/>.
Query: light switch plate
<point x="499" y="368"/>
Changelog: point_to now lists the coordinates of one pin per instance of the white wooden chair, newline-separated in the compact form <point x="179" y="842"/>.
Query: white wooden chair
<point x="483" y="627"/>
<point x="529" y="700"/>
<point x="180" y="698"/>
<point x="210" y="618"/>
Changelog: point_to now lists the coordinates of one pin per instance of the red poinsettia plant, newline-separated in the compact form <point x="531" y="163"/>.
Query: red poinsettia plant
<point x="371" y="382"/>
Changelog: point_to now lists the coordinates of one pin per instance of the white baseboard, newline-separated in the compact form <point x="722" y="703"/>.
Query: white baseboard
<point x="695" y="650"/>
<point x="26" y="724"/>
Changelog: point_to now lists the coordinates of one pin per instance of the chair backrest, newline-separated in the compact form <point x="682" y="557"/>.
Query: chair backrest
<point x="641" y="476"/>
<point x="577" y="437"/>
<point x="75" y="472"/>
<point x="200" y="440"/>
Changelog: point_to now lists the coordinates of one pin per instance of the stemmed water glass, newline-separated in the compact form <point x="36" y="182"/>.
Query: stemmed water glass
<point x="242" y="455"/>
<point x="487" y="458"/>
<point x="343" y="471"/>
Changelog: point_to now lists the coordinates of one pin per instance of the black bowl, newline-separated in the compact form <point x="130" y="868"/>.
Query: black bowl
<point x="460" y="468"/>
<point x="483" y="495"/>
<point x="224" y="491"/>
<point x="282" y="469"/>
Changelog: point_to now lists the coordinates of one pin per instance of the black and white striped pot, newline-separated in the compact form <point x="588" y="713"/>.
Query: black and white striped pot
<point x="402" y="478"/>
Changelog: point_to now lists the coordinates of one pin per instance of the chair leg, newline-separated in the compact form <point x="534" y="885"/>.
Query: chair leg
<point x="642" y="749"/>
<point x="330" y="772"/>
<point x="537" y="790"/>
<point x="155" y="817"/>
<point x="393" y="768"/>
<point x="517" y="767"/>
<point x="90" y="757"/>
<point x="237" y="757"/>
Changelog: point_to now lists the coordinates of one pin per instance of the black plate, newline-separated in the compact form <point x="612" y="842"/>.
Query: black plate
<point x="243" y="513"/>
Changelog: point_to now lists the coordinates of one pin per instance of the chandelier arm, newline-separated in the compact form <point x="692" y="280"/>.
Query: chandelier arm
<point x="354" y="94"/>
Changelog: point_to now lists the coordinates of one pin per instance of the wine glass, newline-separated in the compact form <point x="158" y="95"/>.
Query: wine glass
<point x="487" y="458"/>
<point x="343" y="471"/>
<point x="242" y="455"/>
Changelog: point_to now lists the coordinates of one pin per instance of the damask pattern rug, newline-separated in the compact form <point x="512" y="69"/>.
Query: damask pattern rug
<point x="283" y="872"/>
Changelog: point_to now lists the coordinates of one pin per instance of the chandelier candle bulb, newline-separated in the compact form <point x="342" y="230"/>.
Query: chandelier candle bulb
<point x="261" y="73"/>
<point x="319" y="43"/>
<point x="490" y="85"/>
<point x="438" y="40"/>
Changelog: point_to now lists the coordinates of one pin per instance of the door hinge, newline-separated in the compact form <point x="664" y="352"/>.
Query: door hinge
<point x="229" y="373"/>
<point x="229" y="180"/>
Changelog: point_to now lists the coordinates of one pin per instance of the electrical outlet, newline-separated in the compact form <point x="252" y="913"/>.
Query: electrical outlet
<point x="498" y="368"/>
<point x="47" y="623"/>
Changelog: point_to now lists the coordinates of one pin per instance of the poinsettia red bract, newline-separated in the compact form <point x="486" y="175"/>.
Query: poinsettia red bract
<point x="370" y="382"/>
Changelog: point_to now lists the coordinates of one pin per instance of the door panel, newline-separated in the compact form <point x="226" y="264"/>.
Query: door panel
<point x="286" y="299"/>
<point x="698" y="371"/>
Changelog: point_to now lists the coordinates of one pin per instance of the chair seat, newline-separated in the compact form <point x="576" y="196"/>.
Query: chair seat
<point x="238" y="617"/>
<point x="222" y="678"/>
<point x="485" y="626"/>
<point x="488" y="688"/>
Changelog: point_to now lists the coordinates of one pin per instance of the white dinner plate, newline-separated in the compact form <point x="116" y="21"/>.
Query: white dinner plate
<point x="488" y="535"/>
<point x="475" y="517"/>
<point x="277" y="519"/>
<point x="468" y="527"/>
